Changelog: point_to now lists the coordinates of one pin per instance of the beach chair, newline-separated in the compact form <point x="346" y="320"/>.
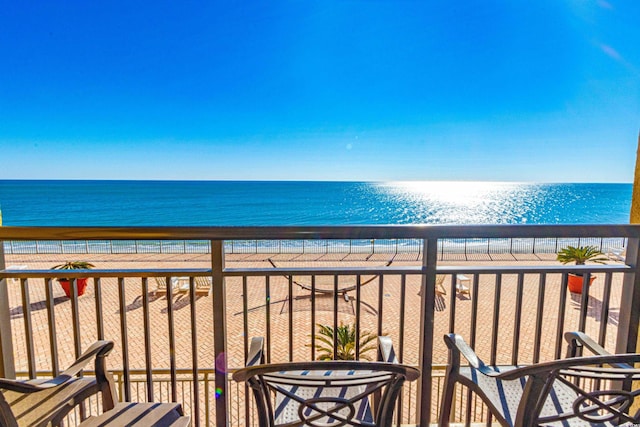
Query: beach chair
<point x="462" y="284"/>
<point x="577" y="391"/>
<point x="617" y="254"/>
<point x="325" y="393"/>
<point x="441" y="292"/>
<point x="43" y="402"/>
<point x="16" y="267"/>
<point x="203" y="285"/>
<point x="439" y="302"/>
<point x="161" y="285"/>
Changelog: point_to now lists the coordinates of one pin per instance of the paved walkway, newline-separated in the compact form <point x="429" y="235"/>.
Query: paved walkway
<point x="279" y="310"/>
<point x="300" y="321"/>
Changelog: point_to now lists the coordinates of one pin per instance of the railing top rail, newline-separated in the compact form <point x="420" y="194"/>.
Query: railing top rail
<point x="26" y="274"/>
<point x="317" y="232"/>
<point x="449" y="269"/>
<point x="327" y="271"/>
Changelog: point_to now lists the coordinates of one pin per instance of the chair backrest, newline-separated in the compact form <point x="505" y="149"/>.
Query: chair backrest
<point x="161" y="283"/>
<point x="43" y="401"/>
<point x="585" y="390"/>
<point x="326" y="393"/>
<point x="7" y="418"/>
<point x="203" y="284"/>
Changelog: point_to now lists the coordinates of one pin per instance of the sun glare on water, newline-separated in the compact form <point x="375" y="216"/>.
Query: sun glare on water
<point x="461" y="202"/>
<point x="463" y="194"/>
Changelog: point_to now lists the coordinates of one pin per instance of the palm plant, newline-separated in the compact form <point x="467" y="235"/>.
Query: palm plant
<point x="581" y="254"/>
<point x="66" y="282"/>
<point x="73" y="265"/>
<point x="346" y="342"/>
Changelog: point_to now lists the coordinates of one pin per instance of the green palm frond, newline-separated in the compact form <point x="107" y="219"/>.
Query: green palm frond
<point x="74" y="265"/>
<point x="581" y="254"/>
<point x="345" y="342"/>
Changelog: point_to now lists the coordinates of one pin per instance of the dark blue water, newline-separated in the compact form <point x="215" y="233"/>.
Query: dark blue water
<point x="189" y="203"/>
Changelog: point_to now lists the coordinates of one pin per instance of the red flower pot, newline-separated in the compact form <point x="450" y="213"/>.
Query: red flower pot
<point x="66" y="286"/>
<point x="575" y="283"/>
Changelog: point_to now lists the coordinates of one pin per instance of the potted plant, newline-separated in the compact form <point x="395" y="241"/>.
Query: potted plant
<point x="66" y="283"/>
<point x="580" y="255"/>
<point x="346" y="342"/>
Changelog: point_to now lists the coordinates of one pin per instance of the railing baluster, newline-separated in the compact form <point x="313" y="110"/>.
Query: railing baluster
<point x="290" y="318"/>
<point x="401" y="318"/>
<point x="245" y="318"/>
<point x="75" y="316"/>
<point x="194" y="351"/>
<point x="584" y="302"/>
<point x="539" y="318"/>
<point x="496" y="319"/>
<point x="562" y="304"/>
<point x="473" y="332"/>
<point x="358" y="306"/>
<point x="245" y="337"/>
<point x="380" y="305"/>
<point x="335" y="316"/>
<point x="98" y="302"/>
<point x="313" y="317"/>
<point x="124" y="339"/>
<point x="452" y="303"/>
<point x="51" y="320"/>
<point x="604" y="312"/>
<point x="147" y="338"/>
<point x="172" y="339"/>
<point x="518" y="320"/>
<point x="207" y="405"/>
<point x="28" y="327"/>
<point x="267" y="313"/>
<point x="403" y="295"/>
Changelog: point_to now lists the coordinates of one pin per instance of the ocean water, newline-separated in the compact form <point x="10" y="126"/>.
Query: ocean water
<point x="229" y="203"/>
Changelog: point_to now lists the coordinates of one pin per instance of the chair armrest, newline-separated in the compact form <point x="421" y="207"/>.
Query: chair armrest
<point x="386" y="349"/>
<point x="621" y="364"/>
<point x="23" y="386"/>
<point x="458" y="346"/>
<point x="256" y="352"/>
<point x="580" y="339"/>
<point x="577" y="340"/>
<point x="99" y="350"/>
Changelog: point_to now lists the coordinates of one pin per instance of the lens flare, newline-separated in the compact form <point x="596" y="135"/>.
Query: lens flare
<point x="221" y="363"/>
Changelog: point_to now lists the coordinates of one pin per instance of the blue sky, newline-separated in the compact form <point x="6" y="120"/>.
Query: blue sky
<point x="320" y="90"/>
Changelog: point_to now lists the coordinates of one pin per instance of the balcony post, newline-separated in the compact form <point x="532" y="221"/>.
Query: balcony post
<point x="7" y="366"/>
<point x="427" y="309"/>
<point x="630" y="307"/>
<point x="627" y="340"/>
<point x="219" y="332"/>
<point x="635" y="195"/>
